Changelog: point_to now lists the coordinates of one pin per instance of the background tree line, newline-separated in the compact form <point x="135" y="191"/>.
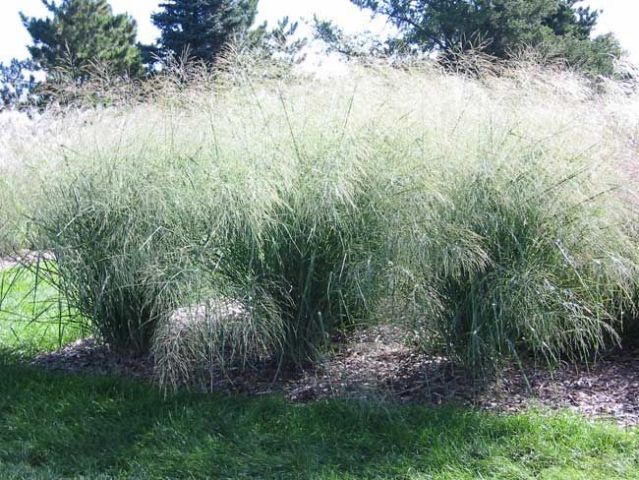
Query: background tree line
<point x="77" y="35"/>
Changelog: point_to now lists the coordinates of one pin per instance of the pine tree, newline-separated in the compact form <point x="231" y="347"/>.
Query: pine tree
<point x="17" y="84"/>
<point x="558" y="28"/>
<point x="81" y="32"/>
<point x="202" y="27"/>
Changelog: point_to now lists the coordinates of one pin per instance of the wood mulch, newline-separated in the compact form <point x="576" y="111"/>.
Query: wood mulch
<point x="378" y="365"/>
<point x="92" y="357"/>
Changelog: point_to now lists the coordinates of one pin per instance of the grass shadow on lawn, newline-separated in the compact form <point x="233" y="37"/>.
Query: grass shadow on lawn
<point x="57" y="425"/>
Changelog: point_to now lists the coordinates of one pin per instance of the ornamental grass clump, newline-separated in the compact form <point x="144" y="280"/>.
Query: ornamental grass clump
<point x="122" y="235"/>
<point x="7" y="220"/>
<point x="296" y="249"/>
<point x="281" y="289"/>
<point x="315" y="257"/>
<point x="522" y="259"/>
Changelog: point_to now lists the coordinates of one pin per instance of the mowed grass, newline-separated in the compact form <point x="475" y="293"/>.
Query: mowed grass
<point x="56" y="425"/>
<point x="33" y="317"/>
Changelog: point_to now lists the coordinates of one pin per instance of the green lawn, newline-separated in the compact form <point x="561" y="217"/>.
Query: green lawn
<point x="66" y="426"/>
<point x="54" y="426"/>
<point x="32" y="315"/>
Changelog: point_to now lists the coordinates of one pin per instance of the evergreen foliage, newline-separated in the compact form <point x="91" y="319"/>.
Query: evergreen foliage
<point x="17" y="83"/>
<point x="202" y="28"/>
<point x="559" y="29"/>
<point x="81" y="33"/>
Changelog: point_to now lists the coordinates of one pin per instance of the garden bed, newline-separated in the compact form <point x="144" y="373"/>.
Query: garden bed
<point x="376" y="365"/>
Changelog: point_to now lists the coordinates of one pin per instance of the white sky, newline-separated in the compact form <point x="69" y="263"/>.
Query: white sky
<point x="620" y="17"/>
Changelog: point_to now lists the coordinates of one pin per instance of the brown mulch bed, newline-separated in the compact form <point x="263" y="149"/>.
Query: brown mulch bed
<point x="89" y="356"/>
<point x="378" y="365"/>
<point x="607" y="389"/>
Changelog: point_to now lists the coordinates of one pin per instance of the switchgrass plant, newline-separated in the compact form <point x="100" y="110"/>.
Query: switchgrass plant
<point x="6" y="221"/>
<point x="296" y="248"/>
<point x="184" y="216"/>
<point x="522" y="259"/>
<point x="122" y="234"/>
<point x="491" y="213"/>
<point x="15" y="134"/>
<point x="308" y="269"/>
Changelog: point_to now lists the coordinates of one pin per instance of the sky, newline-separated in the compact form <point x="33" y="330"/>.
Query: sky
<point x="619" y="17"/>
